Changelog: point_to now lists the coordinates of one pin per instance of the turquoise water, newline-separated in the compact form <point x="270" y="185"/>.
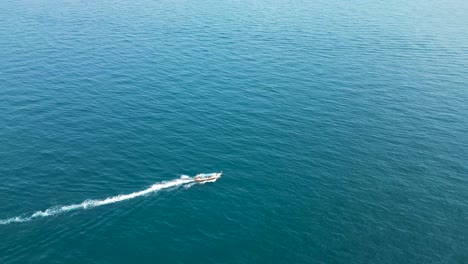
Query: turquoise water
<point x="341" y="128"/>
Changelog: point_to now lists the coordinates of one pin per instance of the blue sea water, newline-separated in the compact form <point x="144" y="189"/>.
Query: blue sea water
<point x="341" y="128"/>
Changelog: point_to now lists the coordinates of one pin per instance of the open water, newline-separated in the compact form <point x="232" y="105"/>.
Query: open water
<point x="341" y="128"/>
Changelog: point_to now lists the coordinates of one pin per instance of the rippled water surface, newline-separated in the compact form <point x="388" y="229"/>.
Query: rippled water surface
<point x="341" y="128"/>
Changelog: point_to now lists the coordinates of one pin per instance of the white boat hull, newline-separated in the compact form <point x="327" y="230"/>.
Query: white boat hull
<point x="210" y="177"/>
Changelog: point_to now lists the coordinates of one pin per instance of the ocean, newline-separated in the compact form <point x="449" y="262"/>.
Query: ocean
<point x="341" y="128"/>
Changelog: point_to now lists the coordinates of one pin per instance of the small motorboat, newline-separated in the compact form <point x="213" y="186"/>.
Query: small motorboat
<point x="203" y="177"/>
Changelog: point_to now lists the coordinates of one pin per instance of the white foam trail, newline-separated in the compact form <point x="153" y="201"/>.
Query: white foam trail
<point x="95" y="203"/>
<point x="186" y="186"/>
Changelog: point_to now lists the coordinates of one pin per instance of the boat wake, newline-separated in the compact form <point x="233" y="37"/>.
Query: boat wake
<point x="184" y="180"/>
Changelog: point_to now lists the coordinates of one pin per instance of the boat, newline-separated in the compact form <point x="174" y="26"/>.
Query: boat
<point x="203" y="177"/>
